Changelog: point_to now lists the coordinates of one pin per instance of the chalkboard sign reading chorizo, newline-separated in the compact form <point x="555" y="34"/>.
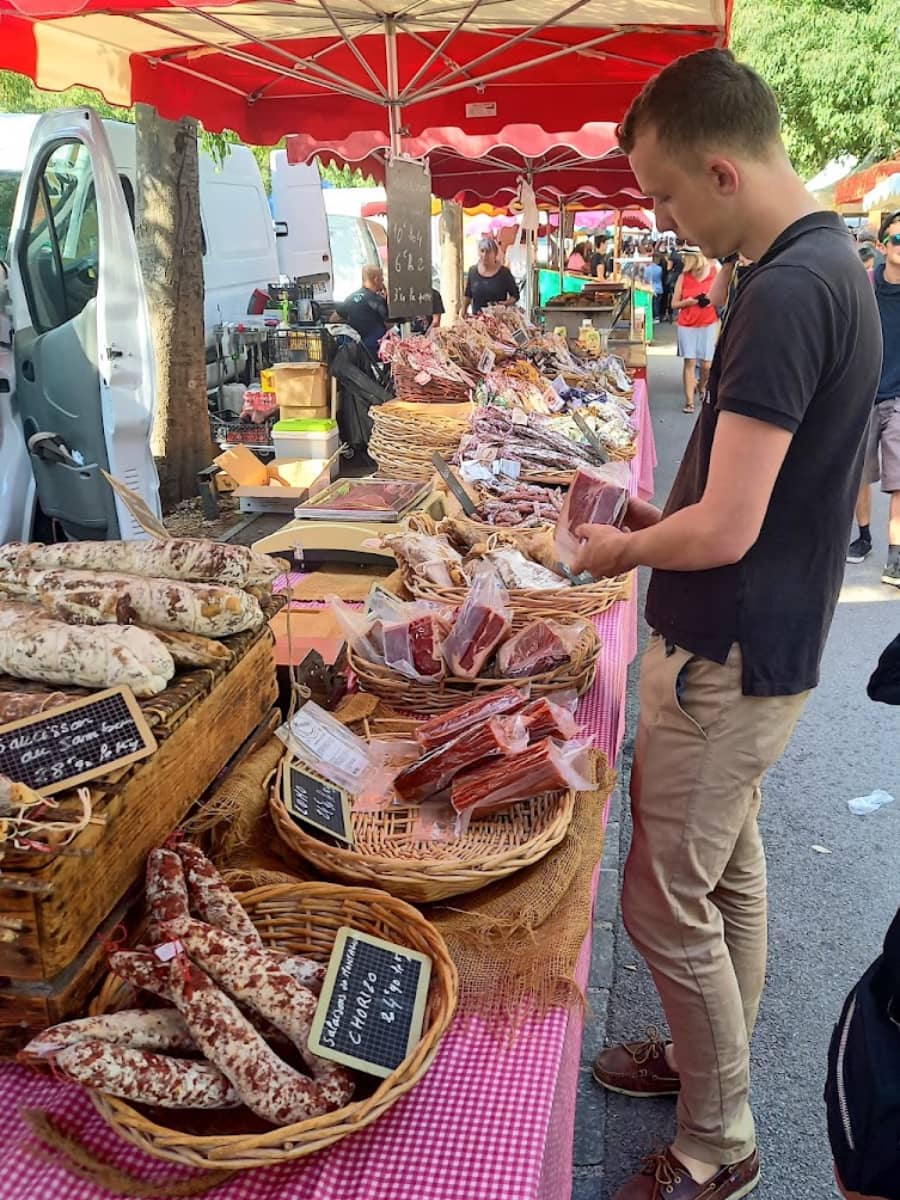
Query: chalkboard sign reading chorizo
<point x="408" y="187"/>
<point x="65" y="746"/>
<point x="315" y="803"/>
<point x="372" y="1005"/>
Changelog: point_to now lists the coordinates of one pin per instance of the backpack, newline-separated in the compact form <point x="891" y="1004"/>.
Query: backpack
<point x="862" y="1091"/>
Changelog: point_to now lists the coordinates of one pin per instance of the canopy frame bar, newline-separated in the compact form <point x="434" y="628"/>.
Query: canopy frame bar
<point x="354" y="50"/>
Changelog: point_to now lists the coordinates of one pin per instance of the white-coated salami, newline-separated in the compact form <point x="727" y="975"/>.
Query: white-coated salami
<point x="34" y="646"/>
<point x="145" y="1077"/>
<point x="105" y="598"/>
<point x="194" y="560"/>
<point x="210" y="896"/>
<point x="167" y="895"/>
<point x="160" y="1029"/>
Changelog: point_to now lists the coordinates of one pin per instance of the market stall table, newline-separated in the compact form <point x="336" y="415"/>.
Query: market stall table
<point x="488" y="1120"/>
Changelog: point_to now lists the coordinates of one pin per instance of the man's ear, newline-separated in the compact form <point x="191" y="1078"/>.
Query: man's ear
<point x="725" y="175"/>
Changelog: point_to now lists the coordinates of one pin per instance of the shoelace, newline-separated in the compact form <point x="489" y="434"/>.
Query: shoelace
<point x="659" y="1165"/>
<point x="653" y="1047"/>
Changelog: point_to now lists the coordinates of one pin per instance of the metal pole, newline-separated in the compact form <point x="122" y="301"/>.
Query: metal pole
<point x="393" y="84"/>
<point x="530" y="235"/>
<point x="562" y="247"/>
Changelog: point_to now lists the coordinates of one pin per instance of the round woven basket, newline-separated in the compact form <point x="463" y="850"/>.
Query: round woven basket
<point x="425" y="699"/>
<point x="386" y="851"/>
<point x="436" y="390"/>
<point x="300" y="919"/>
<point x="406" y="435"/>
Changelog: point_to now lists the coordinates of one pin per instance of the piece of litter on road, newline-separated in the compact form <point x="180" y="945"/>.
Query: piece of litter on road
<point x="821" y="849"/>
<point x="629" y="967"/>
<point x="860" y="805"/>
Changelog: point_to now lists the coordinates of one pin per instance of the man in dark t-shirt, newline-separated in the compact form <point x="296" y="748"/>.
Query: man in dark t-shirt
<point x="747" y="561"/>
<point x="366" y="310"/>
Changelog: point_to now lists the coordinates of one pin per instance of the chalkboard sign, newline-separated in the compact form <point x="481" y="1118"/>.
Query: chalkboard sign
<point x="408" y="186"/>
<point x="315" y="803"/>
<point x="65" y="746"/>
<point x="372" y="1006"/>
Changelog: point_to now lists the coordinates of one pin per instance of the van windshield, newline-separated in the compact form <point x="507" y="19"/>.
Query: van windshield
<point x="352" y="248"/>
<point x="9" y="185"/>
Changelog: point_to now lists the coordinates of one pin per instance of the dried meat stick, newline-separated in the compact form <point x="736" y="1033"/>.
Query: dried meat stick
<point x="159" y="1029"/>
<point x="448" y="725"/>
<point x="143" y="970"/>
<point x="266" y="1084"/>
<point x="145" y="1077"/>
<point x="167" y="894"/>
<point x="210" y="896"/>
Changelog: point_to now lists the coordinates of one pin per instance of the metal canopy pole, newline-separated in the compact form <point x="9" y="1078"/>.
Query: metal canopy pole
<point x="393" y="84"/>
<point x="562" y="247"/>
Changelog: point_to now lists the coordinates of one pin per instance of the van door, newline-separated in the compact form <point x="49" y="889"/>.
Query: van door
<point x="301" y="227"/>
<point x="84" y="366"/>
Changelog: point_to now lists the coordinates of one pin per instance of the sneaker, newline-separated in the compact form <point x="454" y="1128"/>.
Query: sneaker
<point x="859" y="550"/>
<point x="891" y="572"/>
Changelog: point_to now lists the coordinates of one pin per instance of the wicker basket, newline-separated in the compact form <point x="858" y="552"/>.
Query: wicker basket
<point x="436" y="391"/>
<point x="425" y="699"/>
<point x="301" y="919"/>
<point x="386" y="853"/>
<point x="406" y="435"/>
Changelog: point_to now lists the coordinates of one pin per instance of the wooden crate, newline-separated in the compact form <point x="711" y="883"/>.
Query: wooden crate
<point x="47" y="916"/>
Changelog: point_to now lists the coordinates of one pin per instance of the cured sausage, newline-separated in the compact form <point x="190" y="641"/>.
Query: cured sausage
<point x="197" y="560"/>
<point x="143" y="970"/>
<point x="266" y="1084"/>
<point x="167" y="895"/>
<point x="193" y="650"/>
<point x="159" y="1029"/>
<point x="16" y="705"/>
<point x="145" y="1077"/>
<point x="210" y="896"/>
<point x="305" y="970"/>
<point x="104" y="598"/>
<point x="34" y="646"/>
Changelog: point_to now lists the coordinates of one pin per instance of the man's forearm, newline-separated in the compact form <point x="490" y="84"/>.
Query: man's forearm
<point x="688" y="540"/>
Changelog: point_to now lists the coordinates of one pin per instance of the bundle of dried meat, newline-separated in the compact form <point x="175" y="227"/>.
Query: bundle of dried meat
<point x="539" y="647"/>
<point x="447" y="726"/>
<point x="596" y="497"/>
<point x="547" y="766"/>
<point x="482" y="624"/>
<point x="508" y="503"/>
<point x="497" y="435"/>
<point x="517" y="571"/>
<point x="429" y="557"/>
<point x="423" y="371"/>
<point x="545" y="718"/>
<point x="436" y="770"/>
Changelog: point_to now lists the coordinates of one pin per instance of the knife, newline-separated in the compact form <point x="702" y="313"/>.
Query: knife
<point x="591" y="436"/>
<point x="454" y="485"/>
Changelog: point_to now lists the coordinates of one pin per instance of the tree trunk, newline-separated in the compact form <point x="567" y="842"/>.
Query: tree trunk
<point x="170" y="247"/>
<point x="451" y="231"/>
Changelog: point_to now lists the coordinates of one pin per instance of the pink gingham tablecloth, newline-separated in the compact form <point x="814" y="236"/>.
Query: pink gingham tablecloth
<point x="488" y="1121"/>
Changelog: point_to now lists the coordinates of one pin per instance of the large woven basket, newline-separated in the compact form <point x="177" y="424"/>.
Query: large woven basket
<point x="425" y="699"/>
<point x="300" y="919"/>
<point x="435" y="391"/>
<point x="406" y="435"/>
<point x="386" y="852"/>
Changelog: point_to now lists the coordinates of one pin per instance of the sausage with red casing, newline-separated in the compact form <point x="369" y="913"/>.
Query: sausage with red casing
<point x="145" y="1077"/>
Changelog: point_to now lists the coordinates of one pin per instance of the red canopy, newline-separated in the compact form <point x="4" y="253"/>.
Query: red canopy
<point x="474" y="167"/>
<point x="268" y="67"/>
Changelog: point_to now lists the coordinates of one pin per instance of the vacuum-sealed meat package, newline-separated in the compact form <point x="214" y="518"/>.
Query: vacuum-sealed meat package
<point x="412" y="645"/>
<point x="436" y="770"/>
<point x="547" y="766"/>
<point x="483" y="622"/>
<point x="538" y="647"/>
<point x="545" y="718"/>
<point x="598" y="496"/>
<point x="446" y="726"/>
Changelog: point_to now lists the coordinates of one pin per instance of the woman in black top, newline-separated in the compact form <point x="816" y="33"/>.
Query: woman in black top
<point x="488" y="282"/>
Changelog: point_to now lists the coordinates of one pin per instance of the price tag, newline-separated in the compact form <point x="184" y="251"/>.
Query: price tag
<point x="559" y="386"/>
<point x="507" y="466"/>
<point x="520" y="337"/>
<point x="486" y="362"/>
<point x="76" y="742"/>
<point x="372" y="1006"/>
<point x="316" y="804"/>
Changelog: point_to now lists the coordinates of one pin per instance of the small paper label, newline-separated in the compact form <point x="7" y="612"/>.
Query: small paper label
<point x="168" y="950"/>
<point x="482" y="108"/>
<point x="486" y="362"/>
<point x="519" y="416"/>
<point x="559" y="386"/>
<point x="507" y="466"/>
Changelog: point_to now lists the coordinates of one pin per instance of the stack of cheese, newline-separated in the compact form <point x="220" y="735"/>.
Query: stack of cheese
<point x="151" y="606"/>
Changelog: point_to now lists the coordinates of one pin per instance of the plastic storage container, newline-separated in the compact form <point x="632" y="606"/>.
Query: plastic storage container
<point x="306" y="439"/>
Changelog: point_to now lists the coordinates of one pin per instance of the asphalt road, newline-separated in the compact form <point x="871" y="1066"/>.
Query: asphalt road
<point x="828" y="912"/>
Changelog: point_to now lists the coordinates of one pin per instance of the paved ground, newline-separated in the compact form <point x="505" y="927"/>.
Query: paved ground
<point x="828" y="912"/>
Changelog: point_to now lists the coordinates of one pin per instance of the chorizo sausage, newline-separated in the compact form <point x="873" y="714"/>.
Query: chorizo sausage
<point x="167" y="894"/>
<point x="210" y="896"/>
<point x="160" y="1029"/>
<point x="145" y="1077"/>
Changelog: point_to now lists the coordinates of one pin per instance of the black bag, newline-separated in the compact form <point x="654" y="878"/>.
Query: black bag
<point x="862" y="1092"/>
<point x="885" y="682"/>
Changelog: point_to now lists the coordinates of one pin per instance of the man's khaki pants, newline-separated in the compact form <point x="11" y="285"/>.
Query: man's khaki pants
<point x="694" y="895"/>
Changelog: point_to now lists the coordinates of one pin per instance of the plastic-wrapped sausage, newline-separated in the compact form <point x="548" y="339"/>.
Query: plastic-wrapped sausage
<point x="210" y="896"/>
<point x="435" y="771"/>
<point x="266" y="1084"/>
<point x="145" y="1077"/>
<point x="160" y="1029"/>
<point x="446" y="726"/>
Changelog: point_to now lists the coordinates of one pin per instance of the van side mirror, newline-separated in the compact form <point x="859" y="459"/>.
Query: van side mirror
<point x="281" y="228"/>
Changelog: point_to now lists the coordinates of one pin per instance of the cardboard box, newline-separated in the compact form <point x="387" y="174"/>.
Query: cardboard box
<point x="291" y="412"/>
<point x="301" y="384"/>
<point x="288" y="484"/>
<point x="243" y="466"/>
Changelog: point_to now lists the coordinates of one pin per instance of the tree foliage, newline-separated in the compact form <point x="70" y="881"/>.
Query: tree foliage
<point x="834" y="67"/>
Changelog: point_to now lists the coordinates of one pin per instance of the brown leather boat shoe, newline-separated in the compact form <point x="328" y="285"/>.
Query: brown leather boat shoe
<point x="637" y="1068"/>
<point x="662" y="1177"/>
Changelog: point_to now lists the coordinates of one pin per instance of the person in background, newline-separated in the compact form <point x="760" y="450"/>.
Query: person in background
<point x="433" y="319"/>
<point x="731" y="270"/>
<point x="869" y="238"/>
<point x="674" y="265"/>
<point x="747" y="561"/>
<point x="366" y="310"/>
<point x="601" y="259"/>
<point x="868" y="257"/>
<point x="698" y="321"/>
<point x="884" y="426"/>
<point x="488" y="282"/>
<point x="578" y="259"/>
<point x="653" y="275"/>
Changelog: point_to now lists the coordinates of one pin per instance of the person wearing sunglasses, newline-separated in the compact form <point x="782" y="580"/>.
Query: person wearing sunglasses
<point x="883" y="447"/>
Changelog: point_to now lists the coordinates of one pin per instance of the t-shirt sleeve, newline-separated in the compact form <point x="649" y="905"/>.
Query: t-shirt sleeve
<point x="468" y="291"/>
<point x="777" y="346"/>
<point x="512" y="288"/>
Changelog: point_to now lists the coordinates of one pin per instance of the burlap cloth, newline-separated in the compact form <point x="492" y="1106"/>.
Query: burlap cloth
<point x="515" y="943"/>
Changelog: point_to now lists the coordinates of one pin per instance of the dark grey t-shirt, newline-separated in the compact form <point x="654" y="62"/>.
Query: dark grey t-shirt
<point x="800" y="349"/>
